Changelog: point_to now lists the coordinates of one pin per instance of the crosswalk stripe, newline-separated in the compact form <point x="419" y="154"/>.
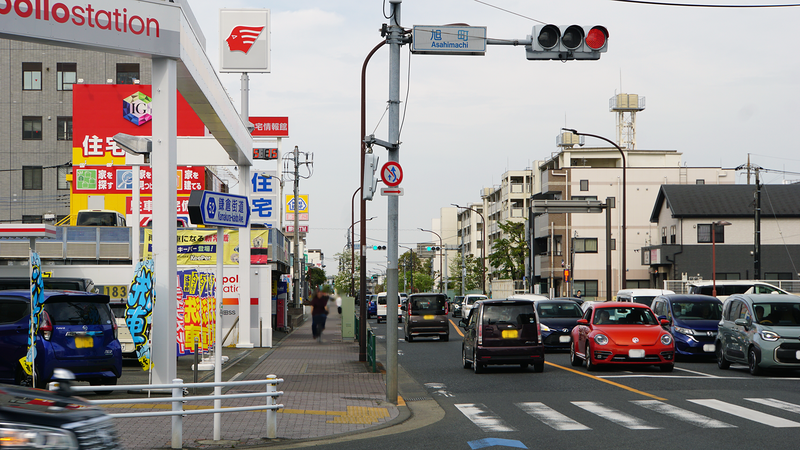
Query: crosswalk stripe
<point x="786" y="406"/>
<point x="616" y="416"/>
<point x="746" y="413"/>
<point x="483" y="417"/>
<point x="682" y="414"/>
<point x="551" y="417"/>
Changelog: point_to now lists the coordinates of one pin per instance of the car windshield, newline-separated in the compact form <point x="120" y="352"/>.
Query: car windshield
<point x="624" y="316"/>
<point x="78" y="313"/>
<point x="780" y="314"/>
<point x="697" y="310"/>
<point x="514" y="314"/>
<point x="553" y="310"/>
<point x="430" y="305"/>
<point x="643" y="299"/>
<point x="472" y="299"/>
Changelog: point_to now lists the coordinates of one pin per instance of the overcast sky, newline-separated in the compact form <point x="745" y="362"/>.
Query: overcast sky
<point x="719" y="83"/>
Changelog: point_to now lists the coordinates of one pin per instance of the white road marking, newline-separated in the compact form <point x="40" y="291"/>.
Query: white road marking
<point x="551" y="417"/>
<point x="786" y="406"/>
<point x="693" y="418"/>
<point x="746" y="413"/>
<point x="484" y="418"/>
<point x="616" y="416"/>
<point x="696" y="372"/>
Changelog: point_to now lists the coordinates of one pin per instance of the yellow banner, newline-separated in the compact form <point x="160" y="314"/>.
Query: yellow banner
<point x="199" y="247"/>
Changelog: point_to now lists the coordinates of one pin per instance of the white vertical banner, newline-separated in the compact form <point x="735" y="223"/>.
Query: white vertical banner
<point x="264" y="194"/>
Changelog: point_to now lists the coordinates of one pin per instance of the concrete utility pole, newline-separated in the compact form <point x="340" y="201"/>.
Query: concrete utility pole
<point x="296" y="227"/>
<point x="395" y="39"/>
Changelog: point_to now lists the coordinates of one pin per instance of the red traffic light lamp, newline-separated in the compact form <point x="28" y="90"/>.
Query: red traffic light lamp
<point x="567" y="42"/>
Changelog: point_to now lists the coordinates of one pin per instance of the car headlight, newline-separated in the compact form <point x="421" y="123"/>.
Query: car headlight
<point x="666" y="339"/>
<point x="686" y="331"/>
<point x="23" y="436"/>
<point x="769" y="335"/>
<point x="544" y="327"/>
<point x="601" y="339"/>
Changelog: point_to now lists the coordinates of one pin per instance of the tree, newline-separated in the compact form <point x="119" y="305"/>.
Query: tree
<point x="510" y="252"/>
<point x="316" y="277"/>
<point x="343" y="281"/>
<point x="473" y="276"/>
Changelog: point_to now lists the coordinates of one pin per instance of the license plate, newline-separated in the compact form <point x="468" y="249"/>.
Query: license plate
<point x="84" y="342"/>
<point x="711" y="348"/>
<point x="563" y="339"/>
<point x="636" y="353"/>
<point x="428" y="317"/>
<point x="510" y="334"/>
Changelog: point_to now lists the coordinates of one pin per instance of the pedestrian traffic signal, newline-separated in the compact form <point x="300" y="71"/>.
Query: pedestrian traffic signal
<point x="567" y="42"/>
<point x="566" y="274"/>
<point x="379" y="247"/>
<point x="370" y="183"/>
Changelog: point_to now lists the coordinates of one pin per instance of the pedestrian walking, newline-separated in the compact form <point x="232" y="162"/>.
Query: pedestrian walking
<point x="319" y="313"/>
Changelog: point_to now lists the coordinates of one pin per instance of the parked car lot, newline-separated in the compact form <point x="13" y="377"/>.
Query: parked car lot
<point x="693" y="321"/>
<point x="621" y="333"/>
<point x="502" y="332"/>
<point x="77" y="332"/>
<point x="760" y="330"/>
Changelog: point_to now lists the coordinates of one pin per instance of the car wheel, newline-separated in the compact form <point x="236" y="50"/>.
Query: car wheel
<point x="538" y="367"/>
<point x="445" y="337"/>
<point x="589" y="366"/>
<point x="476" y="366"/>
<point x="406" y="337"/>
<point x="752" y="362"/>
<point x="722" y="363"/>
<point x="666" y="367"/>
<point x="574" y="359"/>
<point x="409" y="338"/>
<point x="523" y="366"/>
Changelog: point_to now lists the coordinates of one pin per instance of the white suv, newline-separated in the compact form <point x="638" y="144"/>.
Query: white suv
<point x="469" y="302"/>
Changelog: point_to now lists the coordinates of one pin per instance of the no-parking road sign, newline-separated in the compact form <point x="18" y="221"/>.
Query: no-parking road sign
<point x="392" y="174"/>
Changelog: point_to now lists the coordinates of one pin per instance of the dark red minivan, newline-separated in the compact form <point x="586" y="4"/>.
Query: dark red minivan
<point x="502" y="332"/>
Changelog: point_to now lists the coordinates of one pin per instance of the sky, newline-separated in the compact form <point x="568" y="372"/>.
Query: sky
<point x="719" y="84"/>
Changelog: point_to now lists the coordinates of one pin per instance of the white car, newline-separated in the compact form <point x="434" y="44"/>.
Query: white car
<point x="469" y="302"/>
<point x="381" y="309"/>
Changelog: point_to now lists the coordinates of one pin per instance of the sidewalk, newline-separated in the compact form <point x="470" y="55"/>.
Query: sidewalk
<point x="327" y="392"/>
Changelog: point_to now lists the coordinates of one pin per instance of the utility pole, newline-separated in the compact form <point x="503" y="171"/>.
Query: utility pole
<point x="757" y="243"/>
<point x="296" y="228"/>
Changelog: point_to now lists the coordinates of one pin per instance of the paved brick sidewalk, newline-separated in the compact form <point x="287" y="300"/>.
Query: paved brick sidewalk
<point x="327" y="391"/>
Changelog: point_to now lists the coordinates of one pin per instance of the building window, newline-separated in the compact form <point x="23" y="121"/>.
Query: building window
<point x="31" y="76"/>
<point x="584" y="197"/>
<point x="61" y="180"/>
<point x="728" y="276"/>
<point x="704" y="233"/>
<point x="637" y="284"/>
<point x="700" y="181"/>
<point x="673" y="239"/>
<point x="64" y="131"/>
<point x="32" y="178"/>
<point x="31" y="219"/>
<point x="66" y="76"/>
<point x="613" y="244"/>
<point x="588" y="288"/>
<point x="584" y="185"/>
<point x="32" y="128"/>
<point x="585" y="245"/>
<point x="663" y="235"/>
<point x="127" y="73"/>
<point x="778" y="276"/>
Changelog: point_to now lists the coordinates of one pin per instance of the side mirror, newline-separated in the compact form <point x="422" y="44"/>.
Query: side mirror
<point x="664" y="321"/>
<point x="583" y="322"/>
<point x="402" y="307"/>
<point x="741" y="322"/>
<point x="462" y="323"/>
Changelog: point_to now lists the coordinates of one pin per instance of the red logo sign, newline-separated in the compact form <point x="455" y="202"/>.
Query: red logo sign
<point x="270" y="126"/>
<point x="242" y="38"/>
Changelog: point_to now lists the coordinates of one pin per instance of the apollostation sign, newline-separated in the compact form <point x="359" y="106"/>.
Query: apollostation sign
<point x="130" y="26"/>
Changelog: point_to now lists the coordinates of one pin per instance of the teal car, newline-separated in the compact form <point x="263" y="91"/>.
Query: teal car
<point x="761" y="331"/>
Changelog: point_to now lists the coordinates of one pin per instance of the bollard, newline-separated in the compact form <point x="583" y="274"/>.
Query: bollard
<point x="272" y="415"/>
<point x="177" y="420"/>
<point x="196" y="363"/>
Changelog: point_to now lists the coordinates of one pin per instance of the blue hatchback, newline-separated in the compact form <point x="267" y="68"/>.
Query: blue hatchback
<point x="77" y="332"/>
<point x="372" y="306"/>
<point x="694" y="321"/>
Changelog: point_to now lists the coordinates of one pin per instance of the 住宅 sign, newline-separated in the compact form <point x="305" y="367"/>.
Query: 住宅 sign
<point x="449" y="40"/>
<point x="264" y="195"/>
<point x="270" y="126"/>
<point x="244" y="40"/>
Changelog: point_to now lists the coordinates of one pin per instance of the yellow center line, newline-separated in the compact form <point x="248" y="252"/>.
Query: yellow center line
<point x="458" y="330"/>
<point x="621" y="386"/>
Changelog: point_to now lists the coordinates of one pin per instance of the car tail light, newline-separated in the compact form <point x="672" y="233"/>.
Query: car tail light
<point x="46" y="327"/>
<point x="539" y="331"/>
<point x="480" y="335"/>
<point x="115" y="327"/>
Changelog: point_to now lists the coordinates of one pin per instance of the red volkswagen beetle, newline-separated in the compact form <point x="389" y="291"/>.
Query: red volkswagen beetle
<point x="621" y="333"/>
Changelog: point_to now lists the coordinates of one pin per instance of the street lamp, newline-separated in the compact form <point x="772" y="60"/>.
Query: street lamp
<point x="624" y="269"/>
<point x="714" y="225"/>
<point x="483" y="238"/>
<point x="441" y="246"/>
<point x="351" y="230"/>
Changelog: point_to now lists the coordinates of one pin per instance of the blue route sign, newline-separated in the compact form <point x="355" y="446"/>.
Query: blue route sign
<point x="219" y="209"/>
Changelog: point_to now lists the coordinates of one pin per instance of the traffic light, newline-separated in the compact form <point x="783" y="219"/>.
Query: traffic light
<point x="567" y="42"/>
<point x="370" y="182"/>
<point x="379" y="247"/>
<point x="566" y="275"/>
<point x="433" y="249"/>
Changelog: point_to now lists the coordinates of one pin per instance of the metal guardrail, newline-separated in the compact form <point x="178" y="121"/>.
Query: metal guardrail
<point x="177" y="399"/>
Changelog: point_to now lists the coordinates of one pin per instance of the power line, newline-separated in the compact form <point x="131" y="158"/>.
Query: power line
<point x="699" y="5"/>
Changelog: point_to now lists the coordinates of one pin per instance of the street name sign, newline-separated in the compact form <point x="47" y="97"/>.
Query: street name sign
<point x="449" y="40"/>
<point x="219" y="209"/>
